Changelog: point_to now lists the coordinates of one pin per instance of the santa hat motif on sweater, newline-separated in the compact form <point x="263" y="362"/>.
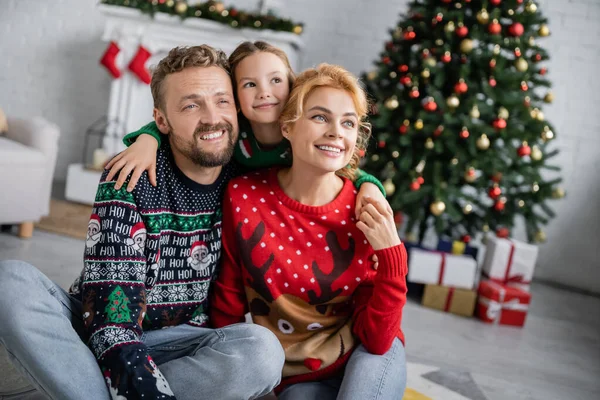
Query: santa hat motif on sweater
<point x="138" y="237"/>
<point x="93" y="231"/>
<point x="200" y="258"/>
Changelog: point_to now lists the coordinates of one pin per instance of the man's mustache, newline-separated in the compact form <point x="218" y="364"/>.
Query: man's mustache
<point x="204" y="128"/>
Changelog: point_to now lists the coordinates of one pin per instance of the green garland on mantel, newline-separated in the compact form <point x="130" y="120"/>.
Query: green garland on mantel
<point x="212" y="10"/>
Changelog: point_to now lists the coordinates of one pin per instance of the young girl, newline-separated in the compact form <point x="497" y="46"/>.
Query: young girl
<point x="262" y="78"/>
<point x="296" y="258"/>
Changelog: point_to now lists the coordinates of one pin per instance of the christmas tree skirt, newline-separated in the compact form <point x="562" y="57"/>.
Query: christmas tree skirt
<point x="66" y="218"/>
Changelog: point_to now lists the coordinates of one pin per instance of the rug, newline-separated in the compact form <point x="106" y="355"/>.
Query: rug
<point x="66" y="218"/>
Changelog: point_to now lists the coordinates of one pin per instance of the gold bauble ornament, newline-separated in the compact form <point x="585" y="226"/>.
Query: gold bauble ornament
<point x="503" y="113"/>
<point x="558" y="193"/>
<point x="430" y="62"/>
<point x="372" y="75"/>
<point x="531" y="7"/>
<point x="521" y="203"/>
<point x="533" y="113"/>
<point x="170" y="3"/>
<point x="544" y="30"/>
<point x="389" y="187"/>
<point x="395" y="154"/>
<point x="474" y="113"/>
<point x="466" y="45"/>
<point x="483" y="17"/>
<point x="453" y="101"/>
<point x="429" y="144"/>
<point x="437" y="208"/>
<point x="496" y="50"/>
<point x="483" y="143"/>
<point x="411" y="237"/>
<point x="536" y="153"/>
<point x="454" y="161"/>
<point x="375" y="157"/>
<point x="298" y="29"/>
<point x="425" y="73"/>
<point x="439" y="42"/>
<point x="392" y="103"/>
<point x="549" y="97"/>
<point x="535" y="187"/>
<point x="419" y="124"/>
<point x="467" y="209"/>
<point x="540" y="116"/>
<point x="219" y="7"/>
<point x="393" y="74"/>
<point x="540" y="236"/>
<point x="547" y="134"/>
<point x="181" y="7"/>
<point x="397" y="33"/>
<point x="449" y="27"/>
<point x="485" y="228"/>
<point x="531" y="41"/>
<point x="521" y="64"/>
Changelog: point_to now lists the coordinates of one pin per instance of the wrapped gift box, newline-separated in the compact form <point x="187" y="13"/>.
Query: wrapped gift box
<point x="441" y="269"/>
<point x="455" y="301"/>
<point x="502" y="304"/>
<point x="457" y="247"/>
<point x="509" y="261"/>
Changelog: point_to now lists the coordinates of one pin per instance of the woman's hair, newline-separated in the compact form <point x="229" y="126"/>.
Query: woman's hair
<point x="336" y="77"/>
<point x="248" y="48"/>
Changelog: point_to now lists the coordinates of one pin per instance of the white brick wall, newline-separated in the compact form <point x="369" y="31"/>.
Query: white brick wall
<point x="49" y="54"/>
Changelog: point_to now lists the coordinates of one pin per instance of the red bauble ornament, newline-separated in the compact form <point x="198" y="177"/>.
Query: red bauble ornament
<point x="464" y="134"/>
<point x="526" y="102"/>
<point x="389" y="45"/>
<point x="403" y="129"/>
<point x="414" y="93"/>
<point x="403" y="68"/>
<point x="462" y="31"/>
<point x="495" y="2"/>
<point x="497" y="177"/>
<point x="381" y="144"/>
<point x="466" y="238"/>
<point x="386" y="60"/>
<point x="524" y="86"/>
<point x="499" y="123"/>
<point x="494" y="192"/>
<point x="538" y="57"/>
<point x="518" y="52"/>
<point x="415" y="185"/>
<point x="438" y="131"/>
<point x="543" y="71"/>
<point x="494" y="28"/>
<point x="421" y="180"/>
<point x="516" y="29"/>
<point x="502" y="232"/>
<point x="471" y="172"/>
<point x="463" y="59"/>
<point x="493" y="63"/>
<point x="405" y="80"/>
<point x="499" y="206"/>
<point x="430" y="106"/>
<point x="446" y="1"/>
<point x="524" y="150"/>
<point x="446" y="58"/>
<point x="492" y="82"/>
<point x="410" y="35"/>
<point x="461" y="87"/>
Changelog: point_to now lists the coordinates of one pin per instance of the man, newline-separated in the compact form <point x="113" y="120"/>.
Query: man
<point x="150" y="258"/>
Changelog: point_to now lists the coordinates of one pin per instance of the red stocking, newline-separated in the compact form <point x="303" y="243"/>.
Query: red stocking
<point x="108" y="59"/>
<point x="137" y="65"/>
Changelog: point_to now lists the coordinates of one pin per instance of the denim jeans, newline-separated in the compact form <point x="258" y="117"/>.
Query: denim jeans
<point x="41" y="328"/>
<point x="367" y="377"/>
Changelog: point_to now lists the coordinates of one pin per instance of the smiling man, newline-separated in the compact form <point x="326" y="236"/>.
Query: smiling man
<point x="149" y="262"/>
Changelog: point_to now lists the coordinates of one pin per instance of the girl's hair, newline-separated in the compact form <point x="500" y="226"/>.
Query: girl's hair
<point x="248" y="48"/>
<point x="333" y="76"/>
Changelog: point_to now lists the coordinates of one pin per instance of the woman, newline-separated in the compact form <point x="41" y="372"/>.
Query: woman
<point x="296" y="258"/>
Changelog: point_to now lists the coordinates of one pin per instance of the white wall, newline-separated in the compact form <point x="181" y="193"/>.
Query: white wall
<point x="49" y="54"/>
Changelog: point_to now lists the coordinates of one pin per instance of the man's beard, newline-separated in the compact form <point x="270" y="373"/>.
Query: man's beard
<point x="192" y="151"/>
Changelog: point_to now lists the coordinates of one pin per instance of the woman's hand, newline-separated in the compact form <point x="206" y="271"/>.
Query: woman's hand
<point x="368" y="189"/>
<point x="377" y="223"/>
<point x="139" y="157"/>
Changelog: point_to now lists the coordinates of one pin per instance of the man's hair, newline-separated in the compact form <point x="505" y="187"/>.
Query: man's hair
<point x="181" y="58"/>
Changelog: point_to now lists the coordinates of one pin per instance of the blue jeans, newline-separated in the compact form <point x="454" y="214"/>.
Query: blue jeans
<point x="367" y="377"/>
<point x="42" y="331"/>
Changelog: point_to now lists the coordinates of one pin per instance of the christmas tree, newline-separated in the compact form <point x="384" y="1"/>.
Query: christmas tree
<point x="117" y="309"/>
<point x="461" y="142"/>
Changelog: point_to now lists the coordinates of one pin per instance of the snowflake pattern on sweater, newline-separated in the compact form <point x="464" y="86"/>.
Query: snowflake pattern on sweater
<point x="150" y="258"/>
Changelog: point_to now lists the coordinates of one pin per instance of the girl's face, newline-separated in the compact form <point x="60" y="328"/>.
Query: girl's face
<point x="325" y="135"/>
<point x="262" y="87"/>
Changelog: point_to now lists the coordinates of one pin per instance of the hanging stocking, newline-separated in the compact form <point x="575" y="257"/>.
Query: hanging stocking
<point x="109" y="59"/>
<point x="137" y="65"/>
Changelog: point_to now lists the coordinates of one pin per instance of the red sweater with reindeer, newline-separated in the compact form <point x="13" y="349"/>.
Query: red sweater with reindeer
<point x="305" y="273"/>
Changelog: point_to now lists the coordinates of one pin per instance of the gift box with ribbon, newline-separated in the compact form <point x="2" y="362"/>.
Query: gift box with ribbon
<point x="455" y="301"/>
<point x="457" y="247"/>
<point x="502" y="304"/>
<point x="441" y="269"/>
<point x="509" y="261"/>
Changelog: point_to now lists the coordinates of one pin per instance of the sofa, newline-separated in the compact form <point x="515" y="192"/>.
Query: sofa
<point x="28" y="152"/>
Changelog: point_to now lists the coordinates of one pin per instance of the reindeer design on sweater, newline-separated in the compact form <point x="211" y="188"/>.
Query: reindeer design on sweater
<point x="314" y="333"/>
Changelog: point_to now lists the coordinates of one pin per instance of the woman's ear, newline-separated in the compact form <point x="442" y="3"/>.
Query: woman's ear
<point x="285" y="131"/>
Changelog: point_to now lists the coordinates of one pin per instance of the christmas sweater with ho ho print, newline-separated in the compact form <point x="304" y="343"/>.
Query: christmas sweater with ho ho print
<point x="304" y="272"/>
<point x="149" y="261"/>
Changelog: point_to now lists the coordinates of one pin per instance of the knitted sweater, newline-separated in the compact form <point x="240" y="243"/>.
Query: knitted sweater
<point x="304" y="273"/>
<point x="149" y="261"/>
<point x="249" y="153"/>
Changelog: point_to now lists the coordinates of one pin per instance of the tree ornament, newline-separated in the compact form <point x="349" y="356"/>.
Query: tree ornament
<point x="494" y="192"/>
<point x="397" y="34"/>
<point x="464" y="133"/>
<point x="411" y="237"/>
<point x="419" y="124"/>
<point x="406" y="80"/>
<point x="495" y="28"/>
<point x="503" y="113"/>
<point x="496" y="49"/>
<point x="521" y="203"/>
<point x="500" y="204"/>
<point x="466" y="238"/>
<point x="181" y="7"/>
<point x="425" y="73"/>
<point x="462" y="30"/>
<point x="447" y="57"/>
<point x="531" y="7"/>
<point x="474" y="113"/>
<point x="547" y="134"/>
<point x="430" y="105"/>
<point x="502" y="232"/>
<point x="497" y="177"/>
<point x="409" y="34"/>
<point x="449" y="28"/>
<point x="171" y="3"/>
<point x="392" y="103"/>
<point x="493" y="63"/>
<point x="381" y="144"/>
<point x="429" y="144"/>
<point x="499" y="123"/>
<point x="467" y="209"/>
<point x="543" y="71"/>
<point x="461" y="87"/>
<point x="544" y="30"/>
<point x="537" y="57"/>
<point x="466" y="45"/>
<point x="524" y="86"/>
<point x="535" y="187"/>
<point x="492" y="81"/>
<point x="517" y="52"/>
<point x="483" y="142"/>
<point x="483" y="17"/>
<point x="470" y="175"/>
<point x="540" y="236"/>
<point x="558" y="193"/>
<point x="495" y="2"/>
<point x="516" y="29"/>
<point x="393" y="75"/>
<point x="414" y="93"/>
<point x="403" y="68"/>
<point x="521" y="64"/>
<point x="453" y="101"/>
<point x="549" y="97"/>
<point x="454" y="161"/>
<point x="437" y="208"/>
<point x="536" y="153"/>
<point x="527" y="101"/>
<point x="389" y="187"/>
<point x="415" y="185"/>
<point x="524" y="150"/>
<point x="539" y="116"/>
<point x="372" y="75"/>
